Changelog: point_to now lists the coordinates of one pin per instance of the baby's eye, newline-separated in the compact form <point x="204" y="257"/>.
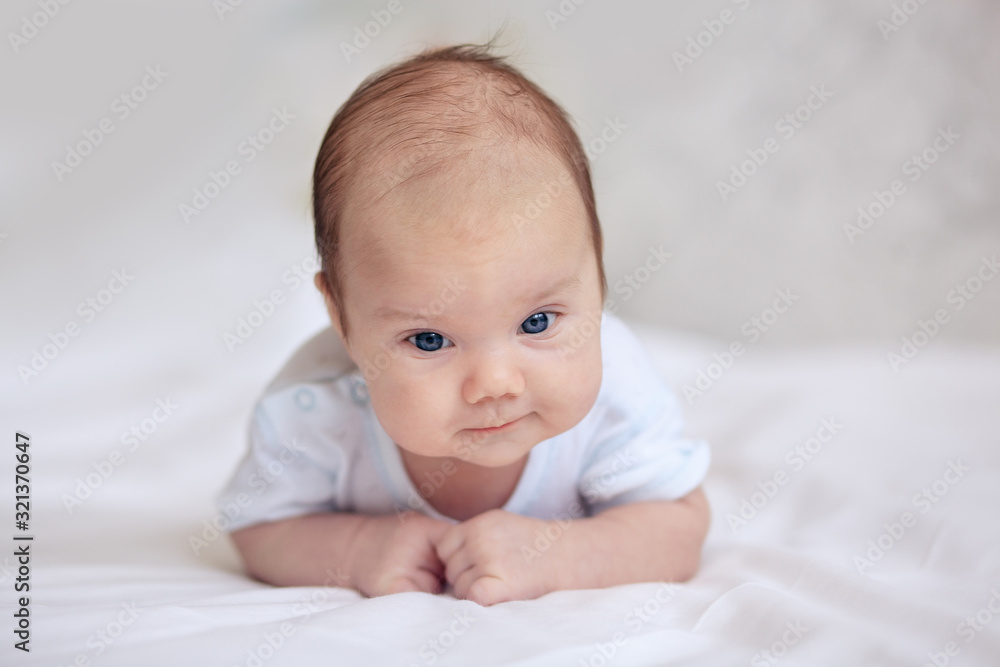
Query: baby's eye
<point x="428" y="341"/>
<point x="537" y="323"/>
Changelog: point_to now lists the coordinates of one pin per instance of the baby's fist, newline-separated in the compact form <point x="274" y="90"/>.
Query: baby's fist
<point x="396" y="554"/>
<point x="490" y="558"/>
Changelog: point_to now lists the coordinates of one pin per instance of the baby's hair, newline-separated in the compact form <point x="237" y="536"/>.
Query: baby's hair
<point x="408" y="119"/>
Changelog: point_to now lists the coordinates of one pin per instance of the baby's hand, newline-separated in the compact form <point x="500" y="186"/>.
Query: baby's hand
<point x="395" y="554"/>
<point x="485" y="560"/>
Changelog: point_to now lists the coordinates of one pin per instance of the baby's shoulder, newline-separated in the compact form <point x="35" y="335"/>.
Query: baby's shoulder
<point x="316" y="399"/>
<point x="322" y="357"/>
<point x="631" y="380"/>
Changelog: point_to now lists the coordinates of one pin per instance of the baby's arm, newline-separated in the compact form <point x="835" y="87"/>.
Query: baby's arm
<point x="656" y="540"/>
<point x="375" y="555"/>
<point x="499" y="556"/>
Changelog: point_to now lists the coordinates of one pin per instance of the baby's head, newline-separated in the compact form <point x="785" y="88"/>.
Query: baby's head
<point x="461" y="256"/>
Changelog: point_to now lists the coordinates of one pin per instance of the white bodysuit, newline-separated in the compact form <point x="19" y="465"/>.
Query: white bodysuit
<point x="316" y="445"/>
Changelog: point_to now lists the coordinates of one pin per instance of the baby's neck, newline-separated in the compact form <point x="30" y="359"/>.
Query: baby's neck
<point x="468" y="490"/>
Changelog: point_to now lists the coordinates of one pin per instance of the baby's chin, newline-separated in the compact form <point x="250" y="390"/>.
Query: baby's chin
<point x="494" y="450"/>
<point x="497" y="456"/>
<point x="485" y="452"/>
<point x="497" y="451"/>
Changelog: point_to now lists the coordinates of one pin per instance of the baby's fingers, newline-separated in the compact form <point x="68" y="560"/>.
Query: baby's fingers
<point x="426" y="581"/>
<point x="487" y="590"/>
<point x="448" y="541"/>
<point x="436" y="531"/>
<point x="419" y="581"/>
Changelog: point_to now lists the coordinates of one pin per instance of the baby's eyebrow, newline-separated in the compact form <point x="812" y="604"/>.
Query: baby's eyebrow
<point x="390" y="313"/>
<point x="567" y="284"/>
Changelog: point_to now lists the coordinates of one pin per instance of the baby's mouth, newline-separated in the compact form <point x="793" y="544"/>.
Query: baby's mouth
<point x="490" y="429"/>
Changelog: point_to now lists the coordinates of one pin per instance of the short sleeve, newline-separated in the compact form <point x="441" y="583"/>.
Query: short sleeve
<point x="637" y="450"/>
<point x="286" y="472"/>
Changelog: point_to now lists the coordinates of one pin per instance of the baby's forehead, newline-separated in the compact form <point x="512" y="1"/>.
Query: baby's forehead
<point x="454" y="135"/>
<point x="420" y="119"/>
<point x="473" y="194"/>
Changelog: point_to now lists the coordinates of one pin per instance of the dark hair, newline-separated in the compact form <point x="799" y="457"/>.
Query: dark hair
<point x="406" y="120"/>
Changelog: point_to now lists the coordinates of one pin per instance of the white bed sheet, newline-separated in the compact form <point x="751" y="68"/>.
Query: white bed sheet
<point x="785" y="582"/>
<point x="125" y="551"/>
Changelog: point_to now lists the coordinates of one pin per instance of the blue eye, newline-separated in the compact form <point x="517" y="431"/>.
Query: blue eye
<point x="537" y="323"/>
<point x="428" y="341"/>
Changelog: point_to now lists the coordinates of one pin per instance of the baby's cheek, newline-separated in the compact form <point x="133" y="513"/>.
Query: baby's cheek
<point x="568" y="388"/>
<point x="406" y="410"/>
<point x="586" y="385"/>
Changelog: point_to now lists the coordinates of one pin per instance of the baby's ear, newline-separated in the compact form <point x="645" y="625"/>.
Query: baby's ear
<point x="320" y="281"/>
<point x="331" y="307"/>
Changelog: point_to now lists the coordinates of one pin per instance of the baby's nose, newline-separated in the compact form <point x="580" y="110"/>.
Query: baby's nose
<point x="493" y="375"/>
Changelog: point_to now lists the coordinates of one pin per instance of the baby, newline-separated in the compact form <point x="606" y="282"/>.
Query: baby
<point x="473" y="421"/>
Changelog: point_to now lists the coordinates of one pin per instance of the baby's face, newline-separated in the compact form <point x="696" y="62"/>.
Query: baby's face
<point x="461" y="318"/>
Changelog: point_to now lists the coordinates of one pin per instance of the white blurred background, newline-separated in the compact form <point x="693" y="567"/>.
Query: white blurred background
<point x="80" y="381"/>
<point x="226" y="67"/>
<point x="682" y="126"/>
<point x="87" y="358"/>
